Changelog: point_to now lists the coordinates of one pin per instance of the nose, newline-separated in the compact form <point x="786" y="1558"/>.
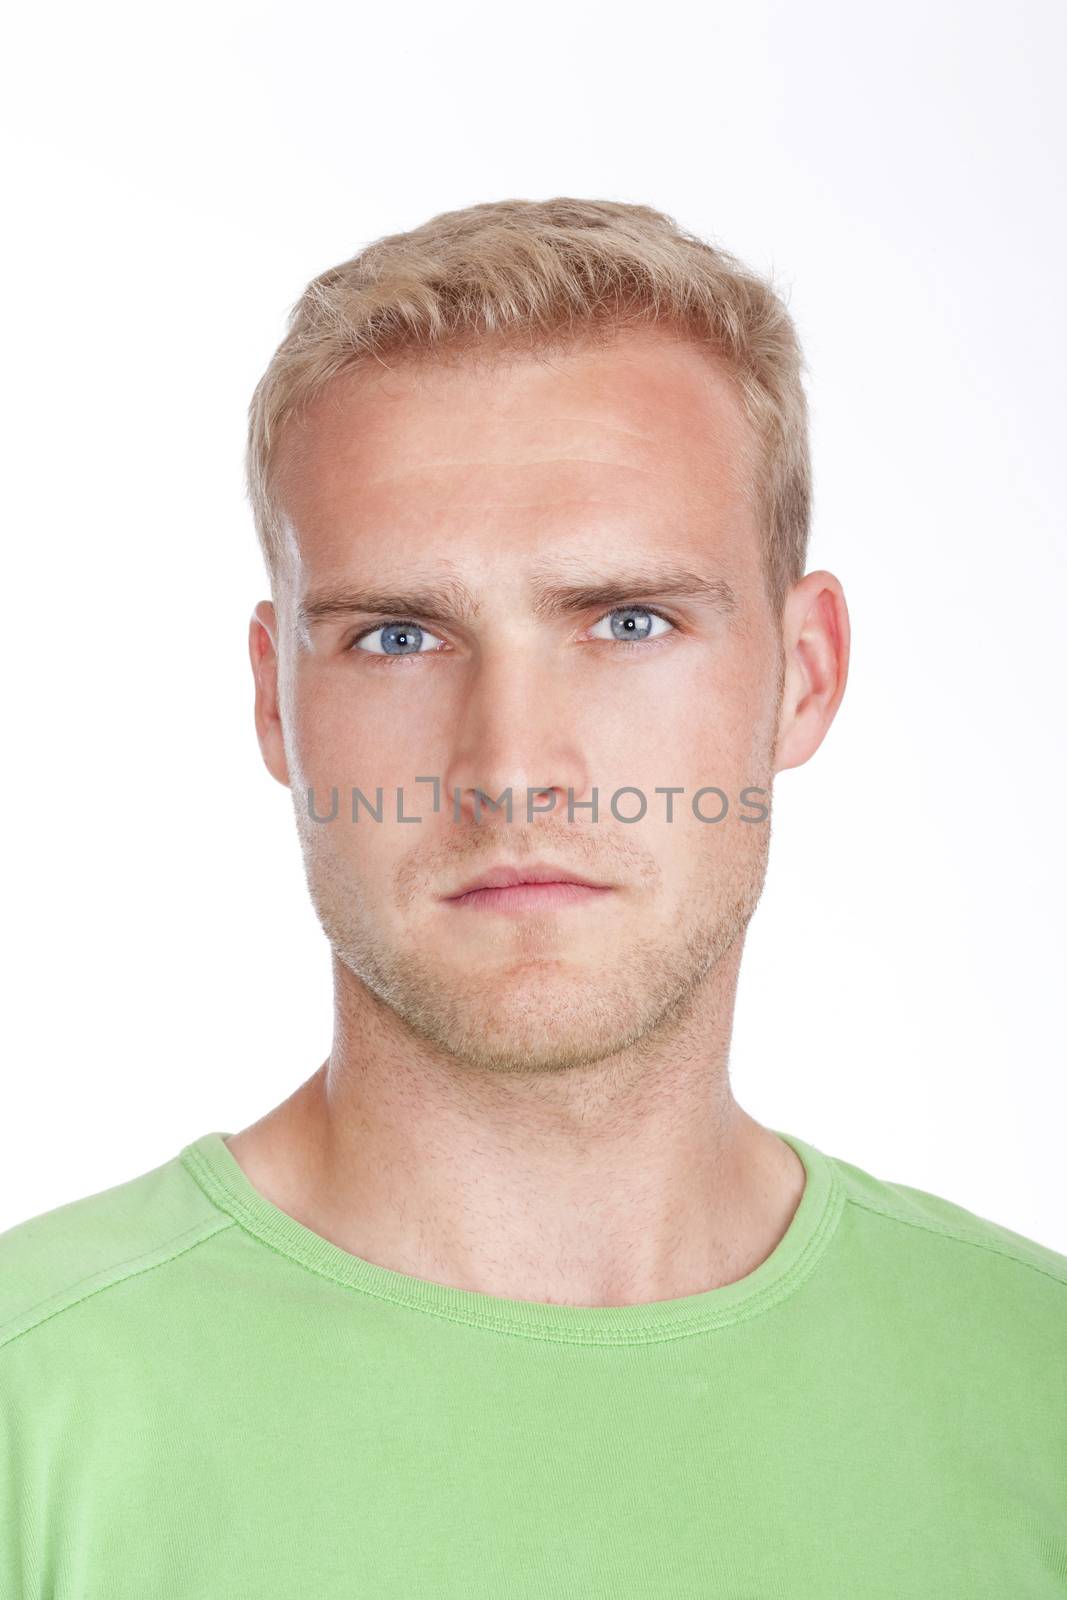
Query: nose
<point x="519" y="732"/>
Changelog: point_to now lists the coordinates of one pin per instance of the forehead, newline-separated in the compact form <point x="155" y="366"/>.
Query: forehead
<point x="531" y="453"/>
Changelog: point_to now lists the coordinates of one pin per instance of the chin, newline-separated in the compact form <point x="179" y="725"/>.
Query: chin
<point x="524" y="1050"/>
<point x="539" y="1013"/>
<point x="533" y="1021"/>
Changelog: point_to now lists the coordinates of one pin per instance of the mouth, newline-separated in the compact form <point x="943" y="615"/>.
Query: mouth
<point x="536" y="887"/>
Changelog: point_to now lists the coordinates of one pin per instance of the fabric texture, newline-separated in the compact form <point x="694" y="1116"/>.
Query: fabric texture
<point x="200" y="1397"/>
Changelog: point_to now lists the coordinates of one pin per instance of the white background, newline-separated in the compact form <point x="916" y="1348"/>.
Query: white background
<point x="177" y="175"/>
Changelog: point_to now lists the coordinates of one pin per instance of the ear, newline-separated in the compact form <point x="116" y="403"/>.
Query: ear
<point x="263" y="650"/>
<point x="816" y="637"/>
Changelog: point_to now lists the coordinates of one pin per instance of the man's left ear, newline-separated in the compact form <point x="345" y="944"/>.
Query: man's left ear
<point x="815" y="637"/>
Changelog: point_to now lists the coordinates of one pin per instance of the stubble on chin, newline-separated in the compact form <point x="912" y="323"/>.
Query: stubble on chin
<point x="541" y="1013"/>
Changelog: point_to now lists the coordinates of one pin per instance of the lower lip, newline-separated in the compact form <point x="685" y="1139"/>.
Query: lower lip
<point x="519" y="897"/>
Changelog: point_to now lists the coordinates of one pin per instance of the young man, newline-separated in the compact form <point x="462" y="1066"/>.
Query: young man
<point x="510" y="1296"/>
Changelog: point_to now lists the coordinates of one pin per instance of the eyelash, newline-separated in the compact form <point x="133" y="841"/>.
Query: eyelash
<point x="383" y="658"/>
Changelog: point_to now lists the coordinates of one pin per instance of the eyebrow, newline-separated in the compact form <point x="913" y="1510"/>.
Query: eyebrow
<point x="451" y="601"/>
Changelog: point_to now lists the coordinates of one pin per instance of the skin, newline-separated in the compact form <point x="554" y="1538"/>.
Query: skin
<point x="537" y="1105"/>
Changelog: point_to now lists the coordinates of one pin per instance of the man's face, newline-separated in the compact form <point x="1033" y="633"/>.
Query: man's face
<point x="598" y="620"/>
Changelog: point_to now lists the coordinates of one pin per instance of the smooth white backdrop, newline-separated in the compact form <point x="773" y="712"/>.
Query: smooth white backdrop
<point x="175" y="178"/>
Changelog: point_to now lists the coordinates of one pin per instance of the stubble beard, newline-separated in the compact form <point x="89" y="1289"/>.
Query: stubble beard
<point x="543" y="1013"/>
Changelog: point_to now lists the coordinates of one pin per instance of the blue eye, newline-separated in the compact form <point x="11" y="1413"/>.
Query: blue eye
<point x="631" y="623"/>
<point x="397" y="639"/>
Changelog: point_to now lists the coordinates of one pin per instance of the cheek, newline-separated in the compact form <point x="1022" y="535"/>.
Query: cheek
<point x="346" y="732"/>
<point x="720" y="720"/>
<point x="691" y="729"/>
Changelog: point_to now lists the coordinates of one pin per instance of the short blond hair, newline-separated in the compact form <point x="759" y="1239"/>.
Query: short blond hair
<point x="544" y="275"/>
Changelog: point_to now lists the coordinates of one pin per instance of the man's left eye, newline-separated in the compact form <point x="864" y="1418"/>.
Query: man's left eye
<point x="630" y="622"/>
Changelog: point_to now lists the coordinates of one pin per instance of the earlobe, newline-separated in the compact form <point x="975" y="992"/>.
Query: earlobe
<point x="817" y="643"/>
<point x="262" y="650"/>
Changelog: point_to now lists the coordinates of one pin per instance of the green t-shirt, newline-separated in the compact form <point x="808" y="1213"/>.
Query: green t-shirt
<point x="203" y="1398"/>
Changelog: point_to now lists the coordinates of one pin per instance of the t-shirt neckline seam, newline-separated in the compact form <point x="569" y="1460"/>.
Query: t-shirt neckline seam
<point x="430" y="1299"/>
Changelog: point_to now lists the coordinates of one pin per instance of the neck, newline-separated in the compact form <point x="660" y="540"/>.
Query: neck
<point x="633" y="1179"/>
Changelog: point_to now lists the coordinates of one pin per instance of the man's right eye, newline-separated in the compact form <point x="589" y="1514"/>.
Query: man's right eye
<point x="397" y="639"/>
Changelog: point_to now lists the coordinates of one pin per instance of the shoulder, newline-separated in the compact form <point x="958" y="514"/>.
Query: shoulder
<point x="927" y="1226"/>
<point x="55" y="1260"/>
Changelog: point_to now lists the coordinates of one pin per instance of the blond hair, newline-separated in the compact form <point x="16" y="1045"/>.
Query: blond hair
<point x="540" y="275"/>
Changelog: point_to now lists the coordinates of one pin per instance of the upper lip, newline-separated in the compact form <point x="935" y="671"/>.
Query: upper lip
<point x="507" y="877"/>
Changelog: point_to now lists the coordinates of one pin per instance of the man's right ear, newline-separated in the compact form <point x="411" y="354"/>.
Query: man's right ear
<point x="262" y="648"/>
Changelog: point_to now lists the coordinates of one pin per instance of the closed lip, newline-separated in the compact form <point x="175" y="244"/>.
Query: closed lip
<point x="509" y="877"/>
